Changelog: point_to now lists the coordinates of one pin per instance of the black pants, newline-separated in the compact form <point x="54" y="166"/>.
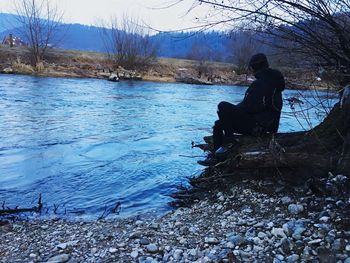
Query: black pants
<point x="232" y="119"/>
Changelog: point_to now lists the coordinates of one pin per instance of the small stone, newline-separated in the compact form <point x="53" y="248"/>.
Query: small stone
<point x="338" y="244"/>
<point x="227" y="213"/>
<point x="347" y="248"/>
<point x="325" y="254"/>
<point x="139" y="222"/>
<point x="236" y="240"/>
<point x="134" y="254"/>
<point x="295" y="208"/>
<point x="279" y="257"/>
<point x="59" y="259"/>
<point x="32" y="255"/>
<point x="121" y="244"/>
<point x="44" y="227"/>
<point x="230" y="245"/>
<point x="259" y="225"/>
<point x="193" y="229"/>
<point x="193" y="252"/>
<point x="67" y="244"/>
<point x="269" y="225"/>
<point x="340" y="203"/>
<point x="152" y="248"/>
<point x="211" y="240"/>
<point x="286" y="200"/>
<point x="315" y="242"/>
<point x="182" y="241"/>
<point x="177" y="254"/>
<point x="347" y="260"/>
<point x="285" y="245"/>
<point x="324" y="219"/>
<point x="135" y="235"/>
<point x="144" y="241"/>
<point x="261" y="235"/>
<point x="154" y="226"/>
<point x="324" y="213"/>
<point x="219" y="207"/>
<point x="112" y="250"/>
<point x="292" y="258"/>
<point x="278" y="232"/>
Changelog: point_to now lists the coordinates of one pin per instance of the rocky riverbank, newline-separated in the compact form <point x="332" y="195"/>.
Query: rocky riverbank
<point x="78" y="64"/>
<point x="256" y="221"/>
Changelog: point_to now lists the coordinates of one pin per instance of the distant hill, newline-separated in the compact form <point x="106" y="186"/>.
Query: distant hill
<point x="212" y="46"/>
<point x="8" y="22"/>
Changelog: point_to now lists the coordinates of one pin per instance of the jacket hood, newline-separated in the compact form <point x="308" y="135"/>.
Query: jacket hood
<point x="273" y="77"/>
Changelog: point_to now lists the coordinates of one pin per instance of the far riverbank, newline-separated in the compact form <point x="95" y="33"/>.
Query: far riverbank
<point x="77" y="64"/>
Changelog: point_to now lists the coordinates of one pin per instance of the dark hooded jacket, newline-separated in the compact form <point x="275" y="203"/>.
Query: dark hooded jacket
<point x="263" y="99"/>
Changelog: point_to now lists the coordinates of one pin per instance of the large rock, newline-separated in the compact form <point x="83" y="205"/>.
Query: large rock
<point x="7" y="70"/>
<point x="113" y="77"/>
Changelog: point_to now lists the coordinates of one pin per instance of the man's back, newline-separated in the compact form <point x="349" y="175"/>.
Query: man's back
<point x="263" y="98"/>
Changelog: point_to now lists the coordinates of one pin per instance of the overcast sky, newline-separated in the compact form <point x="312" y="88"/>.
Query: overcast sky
<point x="150" y="11"/>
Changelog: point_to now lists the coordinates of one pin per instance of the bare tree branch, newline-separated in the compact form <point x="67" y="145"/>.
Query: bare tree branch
<point x="39" y="23"/>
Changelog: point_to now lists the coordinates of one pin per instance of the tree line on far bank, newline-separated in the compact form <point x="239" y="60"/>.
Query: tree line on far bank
<point x="130" y="44"/>
<point x="288" y="40"/>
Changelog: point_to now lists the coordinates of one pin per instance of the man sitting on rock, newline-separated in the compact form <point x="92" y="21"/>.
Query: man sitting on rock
<point x="259" y="112"/>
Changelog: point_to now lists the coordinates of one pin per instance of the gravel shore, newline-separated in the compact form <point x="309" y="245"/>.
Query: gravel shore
<point x="246" y="224"/>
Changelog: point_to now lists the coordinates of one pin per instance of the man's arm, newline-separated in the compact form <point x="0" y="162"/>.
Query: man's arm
<point x="254" y="100"/>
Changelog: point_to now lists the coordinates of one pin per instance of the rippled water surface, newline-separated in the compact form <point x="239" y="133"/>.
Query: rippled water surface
<point x="86" y="144"/>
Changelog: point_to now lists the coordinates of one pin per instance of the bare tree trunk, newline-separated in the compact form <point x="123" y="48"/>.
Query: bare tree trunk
<point x="344" y="161"/>
<point x="39" y="22"/>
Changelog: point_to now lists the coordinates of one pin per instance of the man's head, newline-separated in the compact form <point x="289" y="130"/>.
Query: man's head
<point x="258" y="62"/>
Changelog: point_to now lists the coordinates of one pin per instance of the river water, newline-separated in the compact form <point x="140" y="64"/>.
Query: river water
<point x="87" y="144"/>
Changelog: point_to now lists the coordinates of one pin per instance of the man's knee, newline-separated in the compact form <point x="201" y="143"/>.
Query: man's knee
<point x="222" y="105"/>
<point x="225" y="106"/>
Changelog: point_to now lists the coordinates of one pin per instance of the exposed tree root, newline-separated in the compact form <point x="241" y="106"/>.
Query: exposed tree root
<point x="296" y="158"/>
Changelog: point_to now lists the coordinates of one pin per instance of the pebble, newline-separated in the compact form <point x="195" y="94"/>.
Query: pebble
<point x="338" y="244"/>
<point x="278" y="232"/>
<point x="236" y="240"/>
<point x="249" y="227"/>
<point x="211" y="240"/>
<point x="152" y="248"/>
<point x="144" y="241"/>
<point x="59" y="258"/>
<point x="112" y="250"/>
<point x="261" y="235"/>
<point x="134" y="254"/>
<point x="286" y="200"/>
<point x="138" y="222"/>
<point x="154" y="226"/>
<point x="292" y="258"/>
<point x="347" y="248"/>
<point x="325" y="219"/>
<point x="295" y="208"/>
<point x="315" y="242"/>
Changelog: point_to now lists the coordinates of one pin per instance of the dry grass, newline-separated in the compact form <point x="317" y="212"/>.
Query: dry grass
<point x="18" y="66"/>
